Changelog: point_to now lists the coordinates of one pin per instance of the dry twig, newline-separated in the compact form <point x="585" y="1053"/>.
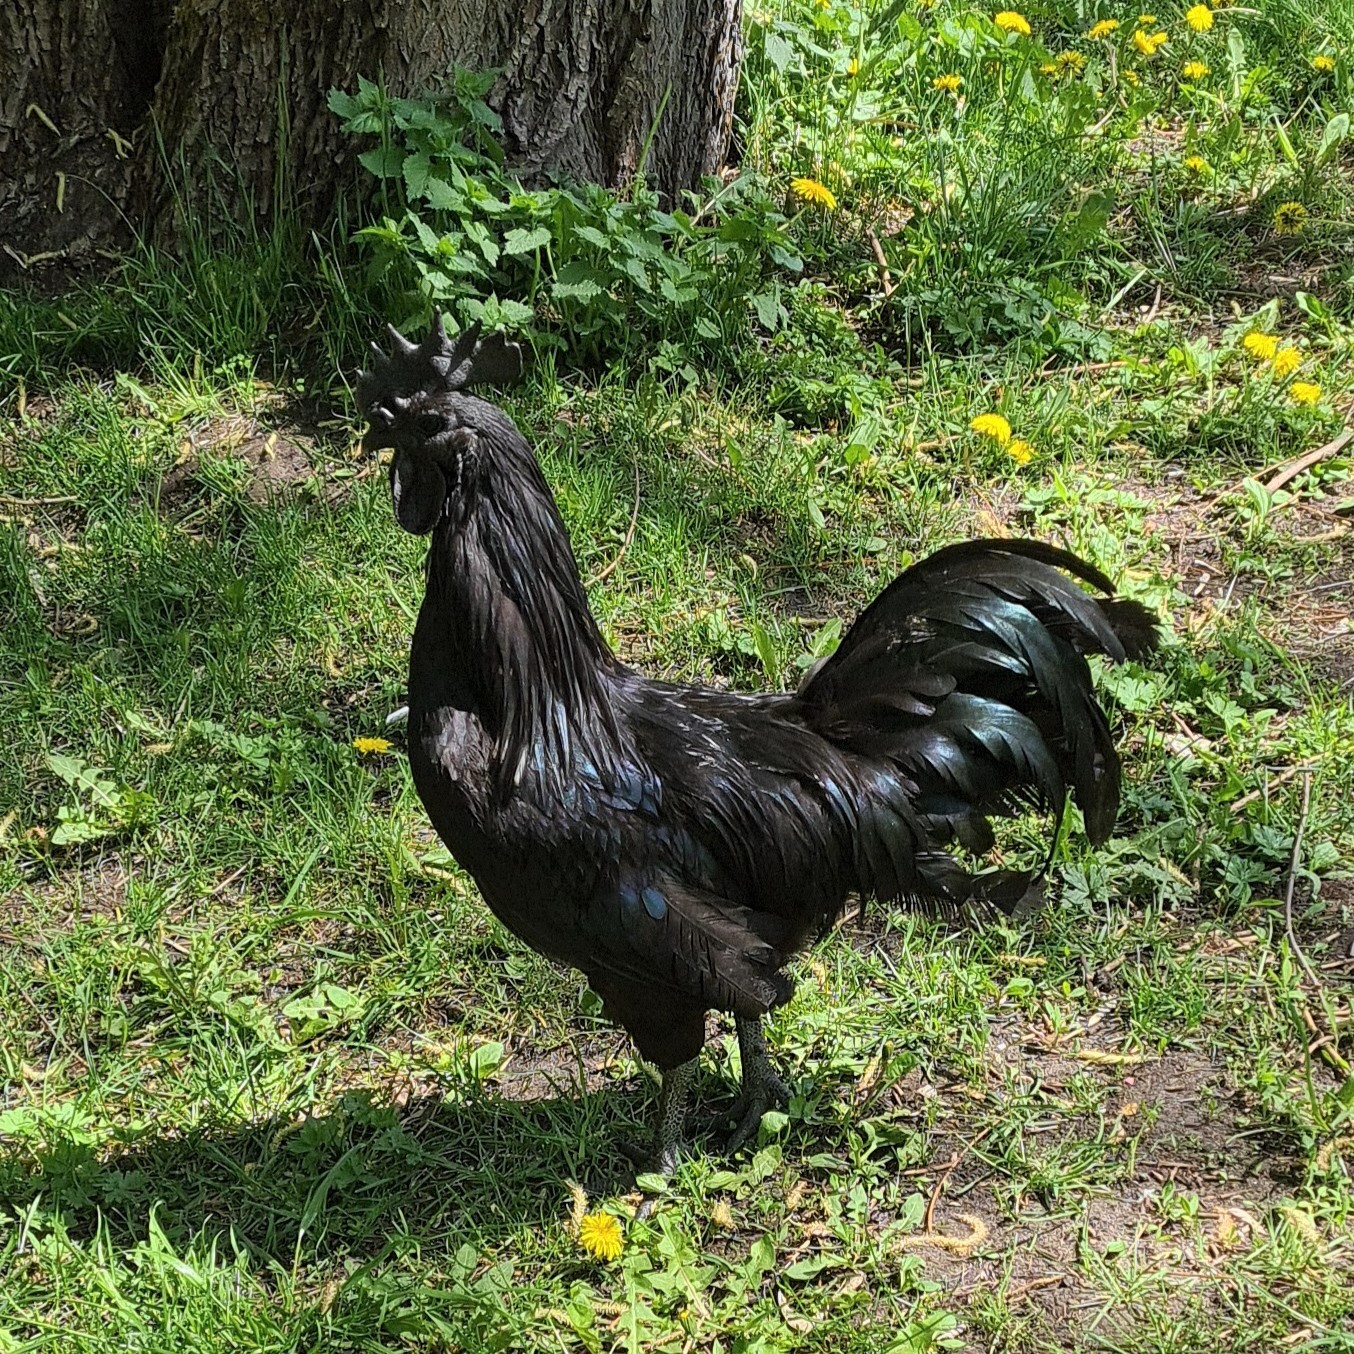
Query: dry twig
<point x="885" y="279"/>
<point x="1290" y="470"/>
<point x="928" y="1218"/>
<point x="11" y="502"/>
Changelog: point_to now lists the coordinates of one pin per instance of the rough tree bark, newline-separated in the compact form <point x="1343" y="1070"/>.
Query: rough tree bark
<point x="97" y="97"/>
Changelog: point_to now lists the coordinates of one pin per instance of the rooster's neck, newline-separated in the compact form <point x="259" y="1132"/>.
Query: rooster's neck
<point x="506" y="633"/>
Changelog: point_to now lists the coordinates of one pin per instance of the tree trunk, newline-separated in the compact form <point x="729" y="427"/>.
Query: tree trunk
<point x="115" y="110"/>
<point x="76" y="79"/>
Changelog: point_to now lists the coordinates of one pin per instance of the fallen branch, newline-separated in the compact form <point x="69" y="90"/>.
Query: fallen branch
<point x="1294" y="861"/>
<point x="1328" y="1046"/>
<point x="1281" y="779"/>
<point x="1285" y="471"/>
<point x="1079" y="368"/>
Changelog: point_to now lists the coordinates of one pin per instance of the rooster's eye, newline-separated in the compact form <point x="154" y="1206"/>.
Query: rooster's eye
<point x="429" y="425"/>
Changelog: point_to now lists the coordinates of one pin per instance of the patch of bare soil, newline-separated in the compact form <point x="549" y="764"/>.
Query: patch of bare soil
<point x="65" y="899"/>
<point x="1331" y="943"/>
<point x="1036" y="1252"/>
<point x="277" y="461"/>
<point x="1311" y="616"/>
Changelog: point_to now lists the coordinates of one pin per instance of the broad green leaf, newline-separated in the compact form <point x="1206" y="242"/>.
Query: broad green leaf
<point x="383" y="161"/>
<point x="522" y="241"/>
<point x="1336" y="130"/>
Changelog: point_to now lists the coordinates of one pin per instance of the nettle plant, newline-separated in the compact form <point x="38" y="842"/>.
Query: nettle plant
<point x="575" y="267"/>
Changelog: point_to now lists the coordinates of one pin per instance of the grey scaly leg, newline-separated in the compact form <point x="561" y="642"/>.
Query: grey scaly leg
<point x="670" y="1129"/>
<point x="661" y="1156"/>
<point x="661" y="1153"/>
<point x="762" y="1087"/>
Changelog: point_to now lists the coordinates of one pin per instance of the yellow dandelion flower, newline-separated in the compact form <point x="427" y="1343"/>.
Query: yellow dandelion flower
<point x="1194" y="70"/>
<point x="600" y="1235"/>
<point x="1322" y="62"/>
<point x="1289" y="218"/>
<point x="823" y="4"/>
<point x="949" y="83"/>
<point x="1048" y="68"/>
<point x="814" y="193"/>
<point x="1102" y="28"/>
<point x="372" y="744"/>
<point x="1020" y="451"/>
<point x="1196" y="164"/>
<point x="1071" y="61"/>
<point x="1199" y="18"/>
<point x="1130" y="78"/>
<point x="993" y="426"/>
<point x="1148" y="43"/>
<point x="1261" y="346"/>
<point x="1011" y="22"/>
<point x="1146" y="20"/>
<point x="1304" y="392"/>
<point x="1286" y="362"/>
<point x="853" y="67"/>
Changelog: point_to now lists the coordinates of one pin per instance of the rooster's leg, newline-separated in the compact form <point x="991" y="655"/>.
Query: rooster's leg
<point x="762" y="1088"/>
<point x="670" y="1130"/>
<point x="660" y="1154"/>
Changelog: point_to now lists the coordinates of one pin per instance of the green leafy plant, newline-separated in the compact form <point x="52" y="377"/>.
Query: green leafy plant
<point x="580" y="268"/>
<point x="102" y="807"/>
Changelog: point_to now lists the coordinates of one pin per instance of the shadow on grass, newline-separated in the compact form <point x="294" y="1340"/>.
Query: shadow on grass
<point x="295" y="1190"/>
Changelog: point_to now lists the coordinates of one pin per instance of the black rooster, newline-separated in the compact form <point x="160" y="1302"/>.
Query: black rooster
<point x="679" y="845"/>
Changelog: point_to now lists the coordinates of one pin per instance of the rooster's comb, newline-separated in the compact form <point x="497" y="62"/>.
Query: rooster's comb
<point x="437" y="364"/>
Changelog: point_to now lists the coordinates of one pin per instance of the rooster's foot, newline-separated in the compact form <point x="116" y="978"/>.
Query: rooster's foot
<point x="661" y="1155"/>
<point x="653" y="1158"/>
<point x="763" y="1088"/>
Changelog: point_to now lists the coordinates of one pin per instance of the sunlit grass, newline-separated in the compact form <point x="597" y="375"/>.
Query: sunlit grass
<point x="272" y="1078"/>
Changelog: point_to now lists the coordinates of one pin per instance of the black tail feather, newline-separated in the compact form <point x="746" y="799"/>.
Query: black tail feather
<point x="968" y="674"/>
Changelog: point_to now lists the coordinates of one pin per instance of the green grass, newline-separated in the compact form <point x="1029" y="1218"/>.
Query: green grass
<point x="271" y="1077"/>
